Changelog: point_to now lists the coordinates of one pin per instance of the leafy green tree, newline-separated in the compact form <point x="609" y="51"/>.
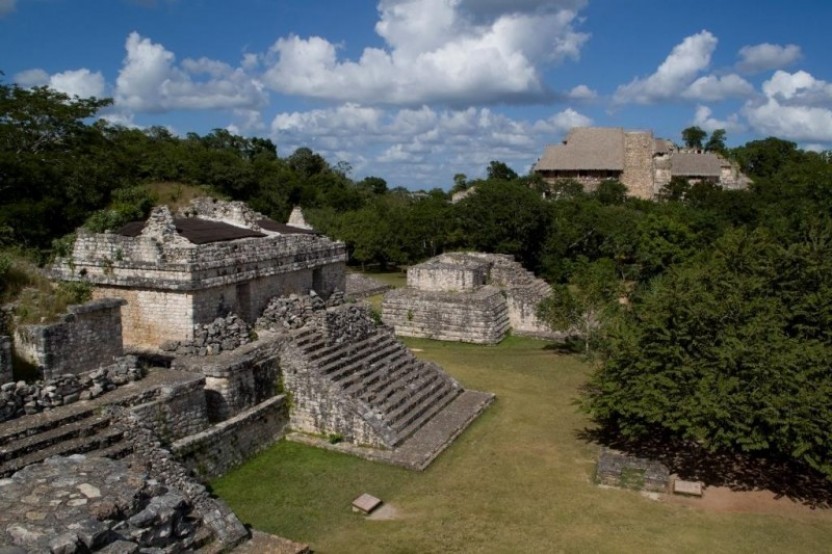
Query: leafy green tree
<point x="730" y="351"/>
<point x="582" y="305"/>
<point x="716" y="142"/>
<point x="499" y="171"/>
<point x="693" y="137"/>
<point x="611" y="192"/>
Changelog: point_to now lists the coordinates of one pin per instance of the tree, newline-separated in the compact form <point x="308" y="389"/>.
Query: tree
<point x="500" y="171"/>
<point x="730" y="351"/>
<point x="716" y="143"/>
<point x="611" y="192"/>
<point x="584" y="303"/>
<point x="693" y="137"/>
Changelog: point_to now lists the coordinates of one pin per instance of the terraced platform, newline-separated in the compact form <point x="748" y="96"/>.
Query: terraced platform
<point x="79" y="428"/>
<point x="375" y="393"/>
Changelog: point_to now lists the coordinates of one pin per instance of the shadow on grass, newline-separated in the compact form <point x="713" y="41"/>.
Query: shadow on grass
<point x="725" y="469"/>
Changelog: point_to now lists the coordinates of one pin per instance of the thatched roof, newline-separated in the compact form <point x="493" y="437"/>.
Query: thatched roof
<point x="693" y="164"/>
<point x="662" y="146"/>
<point x="586" y="148"/>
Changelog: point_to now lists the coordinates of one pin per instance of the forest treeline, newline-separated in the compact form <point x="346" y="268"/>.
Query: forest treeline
<point x="711" y="309"/>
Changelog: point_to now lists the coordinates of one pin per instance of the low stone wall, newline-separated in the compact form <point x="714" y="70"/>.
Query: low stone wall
<point x="618" y="469"/>
<point x="237" y="380"/>
<point x="19" y="399"/>
<point x="178" y="411"/>
<point x="478" y="317"/>
<point x="87" y="337"/>
<point x="221" y="335"/>
<point x="360" y="286"/>
<point x="216" y="450"/>
<point x="6" y="375"/>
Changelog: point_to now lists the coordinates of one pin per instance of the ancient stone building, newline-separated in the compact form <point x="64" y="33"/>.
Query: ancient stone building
<point x="642" y="163"/>
<point x="212" y="259"/>
<point x="468" y="297"/>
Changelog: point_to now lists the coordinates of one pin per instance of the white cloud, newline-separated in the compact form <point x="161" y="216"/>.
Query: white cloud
<point x="704" y="118"/>
<point x="712" y="88"/>
<point x="685" y="62"/>
<point x="582" y="92"/>
<point x="766" y="56"/>
<point x="418" y="146"/>
<point x="80" y="82"/>
<point x="796" y="106"/>
<point x="7" y="7"/>
<point x="32" y="78"/>
<point x="434" y="53"/>
<point x="151" y="81"/>
<point x="74" y="82"/>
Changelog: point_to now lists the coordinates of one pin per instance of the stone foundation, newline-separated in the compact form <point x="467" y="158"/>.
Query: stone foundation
<point x="87" y="337"/>
<point x="216" y="450"/>
<point x="179" y="410"/>
<point x="6" y="375"/>
<point x="478" y="317"/>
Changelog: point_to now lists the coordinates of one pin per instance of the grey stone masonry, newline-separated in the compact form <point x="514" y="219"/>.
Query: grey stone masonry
<point x="6" y="375"/>
<point x="618" y="469"/>
<point x="353" y="380"/>
<point x="87" y="337"/>
<point x="470" y="297"/>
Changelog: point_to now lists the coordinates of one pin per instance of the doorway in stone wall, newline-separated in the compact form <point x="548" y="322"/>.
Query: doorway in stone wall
<point x="244" y="302"/>
<point x="318" y="280"/>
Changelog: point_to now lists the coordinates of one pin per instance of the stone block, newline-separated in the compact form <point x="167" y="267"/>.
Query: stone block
<point x="687" y="488"/>
<point x="366" y="503"/>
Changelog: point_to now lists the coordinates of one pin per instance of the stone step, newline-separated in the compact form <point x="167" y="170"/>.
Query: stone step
<point x="303" y="336"/>
<point x="445" y="397"/>
<point x="25" y="426"/>
<point x="80" y="445"/>
<point x="340" y="369"/>
<point x="39" y="441"/>
<point x="345" y="349"/>
<point x="360" y="380"/>
<point x="397" y="380"/>
<point x="382" y="380"/>
<point x="407" y="397"/>
<point x="116" y="451"/>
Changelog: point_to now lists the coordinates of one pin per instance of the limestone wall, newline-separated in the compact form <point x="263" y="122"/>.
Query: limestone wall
<point x="478" y="317"/>
<point x="239" y="379"/>
<point x="178" y="411"/>
<point x="151" y="317"/>
<point x="87" y="337"/>
<point x="216" y="450"/>
<point x="320" y="407"/>
<point x="144" y="262"/>
<point x="441" y="277"/>
<point x="638" y="163"/>
<point x="6" y="375"/>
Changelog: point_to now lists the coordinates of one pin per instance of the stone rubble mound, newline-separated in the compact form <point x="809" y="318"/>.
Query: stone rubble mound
<point x="295" y="311"/>
<point x="90" y="504"/>
<point x="19" y="399"/>
<point x="221" y="335"/>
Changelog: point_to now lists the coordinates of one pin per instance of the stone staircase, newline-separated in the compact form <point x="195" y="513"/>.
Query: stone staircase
<point x="81" y="428"/>
<point x="379" y="380"/>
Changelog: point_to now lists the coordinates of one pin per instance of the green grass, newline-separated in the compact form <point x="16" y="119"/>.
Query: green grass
<point x="518" y="480"/>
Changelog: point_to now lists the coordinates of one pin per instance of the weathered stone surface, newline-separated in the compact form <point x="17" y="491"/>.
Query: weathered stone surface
<point x="5" y="360"/>
<point x="687" y="488"/>
<point x="469" y="297"/>
<point x="366" y="503"/>
<point x="359" y="285"/>
<point x="66" y="346"/>
<point x="619" y="469"/>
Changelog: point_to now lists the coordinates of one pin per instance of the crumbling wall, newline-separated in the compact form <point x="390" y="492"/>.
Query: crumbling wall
<point x="6" y="375"/>
<point x="87" y="337"/>
<point x="179" y="410"/>
<point x="478" y="317"/>
<point x="216" y="450"/>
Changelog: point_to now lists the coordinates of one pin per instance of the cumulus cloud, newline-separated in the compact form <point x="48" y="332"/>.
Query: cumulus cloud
<point x="151" y="81"/>
<point x="766" y="56"/>
<point x="673" y="76"/>
<point x="712" y="88"/>
<point x="75" y="82"/>
<point x="435" y="52"/>
<point x="7" y="7"/>
<point x="796" y="106"/>
<point x="705" y="119"/>
<point x="582" y="92"/>
<point x="419" y="145"/>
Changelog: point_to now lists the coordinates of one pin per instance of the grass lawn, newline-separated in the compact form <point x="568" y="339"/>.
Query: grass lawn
<point x="518" y="480"/>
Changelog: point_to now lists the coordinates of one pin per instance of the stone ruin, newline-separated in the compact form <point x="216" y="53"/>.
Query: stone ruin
<point x="467" y="297"/>
<point x="5" y="360"/>
<point x="224" y="316"/>
<point x="618" y="469"/>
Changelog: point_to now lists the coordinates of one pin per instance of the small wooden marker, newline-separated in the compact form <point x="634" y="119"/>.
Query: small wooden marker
<point x="366" y="503"/>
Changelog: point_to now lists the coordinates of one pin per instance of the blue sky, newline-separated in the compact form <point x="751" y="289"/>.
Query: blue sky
<point x="415" y="91"/>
